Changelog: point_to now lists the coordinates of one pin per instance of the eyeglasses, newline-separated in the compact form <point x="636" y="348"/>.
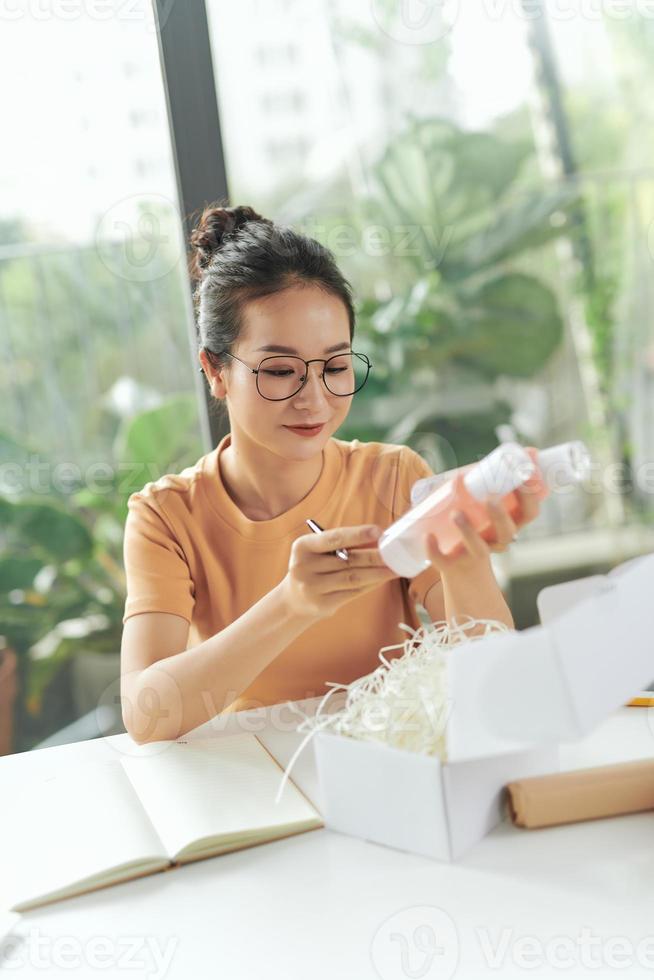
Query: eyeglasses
<point x="282" y="376"/>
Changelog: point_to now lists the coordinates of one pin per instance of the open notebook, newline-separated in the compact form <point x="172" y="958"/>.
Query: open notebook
<point x="114" y="820"/>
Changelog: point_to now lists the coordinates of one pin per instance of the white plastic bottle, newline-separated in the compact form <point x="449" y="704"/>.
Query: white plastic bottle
<point x="509" y="466"/>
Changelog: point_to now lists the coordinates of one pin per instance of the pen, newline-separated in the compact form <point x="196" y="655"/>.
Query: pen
<point x="316" y="528"/>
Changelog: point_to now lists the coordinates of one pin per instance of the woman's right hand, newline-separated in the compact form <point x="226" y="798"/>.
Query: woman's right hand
<point x="318" y="583"/>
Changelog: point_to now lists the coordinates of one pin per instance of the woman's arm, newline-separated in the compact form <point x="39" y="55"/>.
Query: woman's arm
<point x="167" y="690"/>
<point x="468" y="586"/>
<point x="476" y="595"/>
<point x="459" y="597"/>
<point x="434" y="603"/>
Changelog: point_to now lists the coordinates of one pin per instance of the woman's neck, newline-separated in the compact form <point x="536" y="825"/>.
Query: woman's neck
<point x="262" y="485"/>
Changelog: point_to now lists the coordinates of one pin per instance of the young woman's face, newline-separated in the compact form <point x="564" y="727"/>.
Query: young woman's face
<point x="310" y="321"/>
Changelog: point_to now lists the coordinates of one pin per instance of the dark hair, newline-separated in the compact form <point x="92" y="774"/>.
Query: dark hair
<point x="238" y="256"/>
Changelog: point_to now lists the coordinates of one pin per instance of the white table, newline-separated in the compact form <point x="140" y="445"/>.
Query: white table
<point x="323" y="905"/>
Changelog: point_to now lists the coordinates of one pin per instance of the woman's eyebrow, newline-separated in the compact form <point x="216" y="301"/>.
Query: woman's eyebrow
<point x="278" y="348"/>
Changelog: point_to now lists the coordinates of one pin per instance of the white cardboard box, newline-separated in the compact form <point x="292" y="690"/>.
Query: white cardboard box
<point x="412" y="801"/>
<point x="557" y="681"/>
<point x="513" y="698"/>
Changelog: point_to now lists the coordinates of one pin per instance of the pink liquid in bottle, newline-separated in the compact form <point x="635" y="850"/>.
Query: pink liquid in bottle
<point x="403" y="544"/>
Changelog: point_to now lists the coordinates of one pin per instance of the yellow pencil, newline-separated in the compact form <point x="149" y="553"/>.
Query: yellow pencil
<point x="643" y="700"/>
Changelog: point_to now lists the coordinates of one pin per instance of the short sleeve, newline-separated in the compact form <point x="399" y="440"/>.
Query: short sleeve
<point x="157" y="573"/>
<point x="413" y="467"/>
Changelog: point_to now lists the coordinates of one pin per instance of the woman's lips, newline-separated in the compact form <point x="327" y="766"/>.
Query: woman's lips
<point x="313" y="431"/>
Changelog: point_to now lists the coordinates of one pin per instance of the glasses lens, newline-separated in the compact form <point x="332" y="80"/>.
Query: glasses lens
<point x="281" y="377"/>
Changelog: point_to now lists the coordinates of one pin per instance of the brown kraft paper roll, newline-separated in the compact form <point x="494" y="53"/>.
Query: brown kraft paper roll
<point x="583" y="794"/>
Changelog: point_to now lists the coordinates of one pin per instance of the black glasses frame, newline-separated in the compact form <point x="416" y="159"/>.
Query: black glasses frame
<point x="325" y="362"/>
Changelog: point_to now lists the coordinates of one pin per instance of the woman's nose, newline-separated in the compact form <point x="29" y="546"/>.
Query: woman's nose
<point x="316" y="382"/>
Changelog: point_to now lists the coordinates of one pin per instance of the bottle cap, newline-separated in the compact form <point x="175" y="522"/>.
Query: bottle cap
<point x="506" y="468"/>
<point x="564" y="464"/>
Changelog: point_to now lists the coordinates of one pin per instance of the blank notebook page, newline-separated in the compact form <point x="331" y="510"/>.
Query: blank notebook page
<point x="68" y="826"/>
<point x="213" y="786"/>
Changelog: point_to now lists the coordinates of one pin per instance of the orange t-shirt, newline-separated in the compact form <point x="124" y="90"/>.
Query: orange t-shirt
<point x="189" y="550"/>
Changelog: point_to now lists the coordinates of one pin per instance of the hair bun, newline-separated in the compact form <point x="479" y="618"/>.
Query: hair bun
<point x="215" y="225"/>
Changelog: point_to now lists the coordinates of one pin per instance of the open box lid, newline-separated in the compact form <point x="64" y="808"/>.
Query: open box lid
<point x="554" y="682"/>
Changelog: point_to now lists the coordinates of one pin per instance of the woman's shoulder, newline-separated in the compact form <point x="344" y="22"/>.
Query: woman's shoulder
<point x="356" y="451"/>
<point x="171" y="489"/>
<point x="395" y="455"/>
<point x="388" y="469"/>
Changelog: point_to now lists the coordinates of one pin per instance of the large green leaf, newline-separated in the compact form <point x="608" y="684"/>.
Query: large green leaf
<point x="523" y="223"/>
<point x="463" y="431"/>
<point x="471" y="437"/>
<point x="435" y="179"/>
<point x="158" y="441"/>
<point x="18" y="572"/>
<point x="515" y="326"/>
<point x="6" y="510"/>
<point x="416" y="171"/>
<point x="51" y="529"/>
<point x="12" y="451"/>
<point x="23" y="623"/>
<point x="484" y="165"/>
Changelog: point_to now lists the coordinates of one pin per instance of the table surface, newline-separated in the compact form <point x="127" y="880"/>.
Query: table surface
<point x="575" y="900"/>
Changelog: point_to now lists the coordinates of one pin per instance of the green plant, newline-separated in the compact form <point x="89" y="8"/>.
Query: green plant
<point x="62" y="585"/>
<point x="462" y="309"/>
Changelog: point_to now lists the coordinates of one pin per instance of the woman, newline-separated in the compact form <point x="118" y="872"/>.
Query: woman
<point x="232" y="601"/>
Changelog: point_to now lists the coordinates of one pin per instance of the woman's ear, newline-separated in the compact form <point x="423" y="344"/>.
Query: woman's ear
<point x="218" y="389"/>
<point x="213" y="375"/>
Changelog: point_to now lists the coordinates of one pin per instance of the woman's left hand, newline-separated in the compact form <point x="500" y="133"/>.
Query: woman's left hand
<point x="506" y="529"/>
<point x="475" y="553"/>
